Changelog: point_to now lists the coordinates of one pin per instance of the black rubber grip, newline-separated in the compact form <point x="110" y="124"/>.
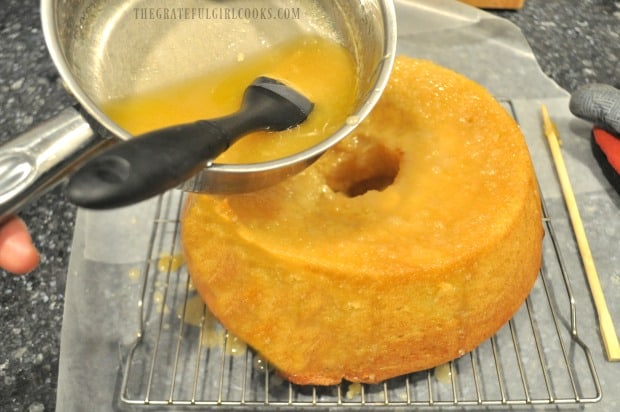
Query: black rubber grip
<point x="143" y="167"/>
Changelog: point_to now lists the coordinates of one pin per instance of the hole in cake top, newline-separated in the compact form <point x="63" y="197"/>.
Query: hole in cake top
<point x="362" y="164"/>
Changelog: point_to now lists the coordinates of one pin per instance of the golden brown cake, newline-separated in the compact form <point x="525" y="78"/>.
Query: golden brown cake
<point x="402" y="248"/>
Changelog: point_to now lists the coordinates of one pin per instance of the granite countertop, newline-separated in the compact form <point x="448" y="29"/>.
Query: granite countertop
<point x="574" y="42"/>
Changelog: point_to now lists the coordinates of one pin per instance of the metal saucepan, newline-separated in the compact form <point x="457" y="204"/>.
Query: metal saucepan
<point x="108" y="49"/>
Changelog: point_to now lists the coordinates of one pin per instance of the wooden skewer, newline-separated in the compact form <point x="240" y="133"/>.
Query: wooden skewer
<point x="496" y="4"/>
<point x="608" y="332"/>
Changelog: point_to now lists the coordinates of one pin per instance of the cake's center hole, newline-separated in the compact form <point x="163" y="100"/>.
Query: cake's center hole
<point x="364" y="166"/>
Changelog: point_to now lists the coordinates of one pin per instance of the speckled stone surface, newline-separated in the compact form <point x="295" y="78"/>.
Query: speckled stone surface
<point x="575" y="42"/>
<point x="31" y="307"/>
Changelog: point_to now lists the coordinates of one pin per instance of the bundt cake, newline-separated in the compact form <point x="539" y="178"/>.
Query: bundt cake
<point x="405" y="246"/>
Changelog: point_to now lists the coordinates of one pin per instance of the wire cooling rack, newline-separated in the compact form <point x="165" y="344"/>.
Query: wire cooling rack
<point x="184" y="359"/>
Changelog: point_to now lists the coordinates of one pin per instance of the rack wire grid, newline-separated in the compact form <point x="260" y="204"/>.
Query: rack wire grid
<point x="184" y="359"/>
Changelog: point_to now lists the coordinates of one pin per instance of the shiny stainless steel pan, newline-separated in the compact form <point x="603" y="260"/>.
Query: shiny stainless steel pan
<point x="109" y="49"/>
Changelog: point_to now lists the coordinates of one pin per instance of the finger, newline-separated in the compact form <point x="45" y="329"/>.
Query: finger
<point x="17" y="252"/>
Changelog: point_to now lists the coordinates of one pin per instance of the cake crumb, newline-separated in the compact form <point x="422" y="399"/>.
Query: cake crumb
<point x="354" y="390"/>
